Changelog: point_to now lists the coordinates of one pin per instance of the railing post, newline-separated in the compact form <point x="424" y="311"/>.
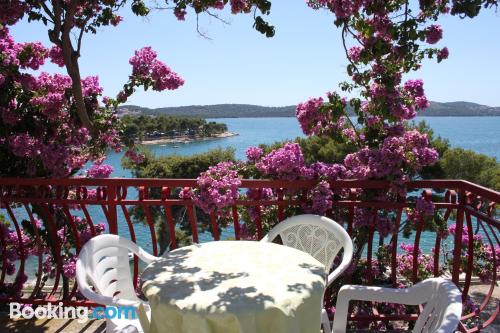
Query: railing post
<point x="112" y="215"/>
<point x="457" y="250"/>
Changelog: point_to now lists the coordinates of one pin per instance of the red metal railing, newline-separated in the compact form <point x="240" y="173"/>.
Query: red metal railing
<point x="23" y="199"/>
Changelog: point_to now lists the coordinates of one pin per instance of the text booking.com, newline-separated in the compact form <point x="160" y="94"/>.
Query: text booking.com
<point x="59" y="311"/>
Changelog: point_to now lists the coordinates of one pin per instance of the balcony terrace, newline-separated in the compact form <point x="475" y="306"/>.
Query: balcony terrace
<point x="469" y="206"/>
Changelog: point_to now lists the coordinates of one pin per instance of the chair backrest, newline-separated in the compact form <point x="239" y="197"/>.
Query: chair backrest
<point x="317" y="235"/>
<point x="104" y="260"/>
<point x="442" y="311"/>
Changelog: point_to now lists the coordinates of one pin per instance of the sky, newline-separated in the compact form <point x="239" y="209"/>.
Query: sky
<point x="304" y="59"/>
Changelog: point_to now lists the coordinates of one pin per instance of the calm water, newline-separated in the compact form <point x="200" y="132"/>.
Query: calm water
<point x="481" y="134"/>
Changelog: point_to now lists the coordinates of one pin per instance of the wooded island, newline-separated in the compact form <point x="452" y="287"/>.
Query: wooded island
<point x="165" y="129"/>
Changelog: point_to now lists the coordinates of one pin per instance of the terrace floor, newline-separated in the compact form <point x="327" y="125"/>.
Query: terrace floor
<point x="50" y="325"/>
<point x="99" y="326"/>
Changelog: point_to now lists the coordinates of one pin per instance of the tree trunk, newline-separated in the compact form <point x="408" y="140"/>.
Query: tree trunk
<point x="72" y="67"/>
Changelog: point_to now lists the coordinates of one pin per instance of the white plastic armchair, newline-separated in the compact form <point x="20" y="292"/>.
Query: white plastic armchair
<point x="441" y="313"/>
<point x="322" y="238"/>
<point x="104" y="262"/>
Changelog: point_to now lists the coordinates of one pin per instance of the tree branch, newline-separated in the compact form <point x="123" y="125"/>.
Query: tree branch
<point x="217" y="17"/>
<point x="47" y="11"/>
<point x="163" y="8"/>
<point x="80" y="37"/>
<point x="344" y="43"/>
<point x="204" y="35"/>
<point x="354" y="35"/>
<point x="54" y="35"/>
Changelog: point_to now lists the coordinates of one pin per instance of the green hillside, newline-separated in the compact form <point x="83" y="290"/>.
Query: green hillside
<point x="246" y="110"/>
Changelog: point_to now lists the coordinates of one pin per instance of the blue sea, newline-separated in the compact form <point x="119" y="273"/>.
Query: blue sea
<point x="481" y="134"/>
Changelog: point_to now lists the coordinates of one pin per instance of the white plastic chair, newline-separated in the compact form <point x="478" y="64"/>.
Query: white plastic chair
<point x="319" y="236"/>
<point x="104" y="261"/>
<point x="441" y="313"/>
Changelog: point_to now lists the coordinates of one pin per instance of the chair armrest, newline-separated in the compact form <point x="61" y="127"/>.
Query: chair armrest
<point x="346" y="260"/>
<point x="146" y="257"/>
<point x="105" y="300"/>
<point x="408" y="296"/>
<point x="374" y="294"/>
<point x="269" y="237"/>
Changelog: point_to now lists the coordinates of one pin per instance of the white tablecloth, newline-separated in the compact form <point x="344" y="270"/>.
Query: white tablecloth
<point x="235" y="286"/>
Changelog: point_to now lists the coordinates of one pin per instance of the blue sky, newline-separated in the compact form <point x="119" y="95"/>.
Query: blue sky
<point x="304" y="59"/>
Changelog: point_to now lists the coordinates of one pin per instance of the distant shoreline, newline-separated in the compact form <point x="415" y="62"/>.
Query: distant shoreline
<point x="435" y="109"/>
<point x="186" y="138"/>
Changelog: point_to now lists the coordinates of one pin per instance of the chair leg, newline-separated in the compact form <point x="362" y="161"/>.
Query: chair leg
<point x="325" y="322"/>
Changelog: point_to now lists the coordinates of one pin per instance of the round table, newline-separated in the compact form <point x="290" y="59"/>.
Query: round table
<point x="233" y="287"/>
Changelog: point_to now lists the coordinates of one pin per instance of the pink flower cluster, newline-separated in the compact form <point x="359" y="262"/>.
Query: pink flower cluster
<point x="403" y="102"/>
<point x="362" y="269"/>
<point x="365" y="218"/>
<point x="288" y="163"/>
<point x="11" y="251"/>
<point x="355" y="53"/>
<point x="486" y="257"/>
<point x="8" y="49"/>
<point x="8" y="115"/>
<point x="69" y="267"/>
<point x="423" y="209"/>
<point x="54" y="103"/>
<point x="396" y="154"/>
<point x="239" y="6"/>
<point x="319" y="170"/>
<point x="433" y="34"/>
<point x="424" y="206"/>
<point x="259" y="194"/>
<point x="23" y="145"/>
<point x="142" y="61"/>
<point x="342" y="8"/>
<point x="319" y="118"/>
<point x="452" y="229"/>
<point x="254" y="153"/>
<point x="283" y="163"/>
<point x="116" y="20"/>
<point x="425" y="264"/>
<point x="319" y="199"/>
<point x="415" y="91"/>
<point x="145" y="66"/>
<point x="310" y="118"/>
<point x="180" y="14"/>
<point x="443" y="54"/>
<point x="414" y="87"/>
<point x="100" y="171"/>
<point x="134" y="156"/>
<point x="217" y="188"/>
<point x="491" y="256"/>
<point x="11" y="11"/>
<point x="31" y="55"/>
<point x="246" y="234"/>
